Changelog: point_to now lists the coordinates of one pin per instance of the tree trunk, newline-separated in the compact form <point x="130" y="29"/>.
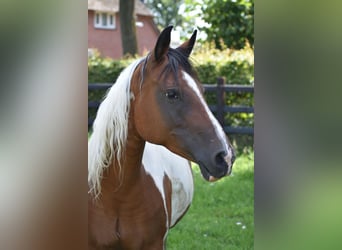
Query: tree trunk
<point x="127" y="25"/>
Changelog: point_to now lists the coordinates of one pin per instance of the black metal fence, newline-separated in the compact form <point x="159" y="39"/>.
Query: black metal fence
<point x="219" y="109"/>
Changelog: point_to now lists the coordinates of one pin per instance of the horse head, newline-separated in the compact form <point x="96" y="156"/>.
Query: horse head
<point x="170" y="110"/>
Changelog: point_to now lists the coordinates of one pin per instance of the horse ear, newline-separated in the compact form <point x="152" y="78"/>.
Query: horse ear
<point x="163" y="43"/>
<point x="187" y="46"/>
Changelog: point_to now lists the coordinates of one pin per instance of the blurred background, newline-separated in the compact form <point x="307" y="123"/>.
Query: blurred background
<point x="43" y="145"/>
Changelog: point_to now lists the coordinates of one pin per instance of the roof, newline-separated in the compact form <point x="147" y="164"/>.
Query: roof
<point x="113" y="6"/>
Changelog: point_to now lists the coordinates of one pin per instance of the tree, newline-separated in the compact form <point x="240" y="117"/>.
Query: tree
<point x="127" y="25"/>
<point x="229" y="20"/>
<point x="166" y="12"/>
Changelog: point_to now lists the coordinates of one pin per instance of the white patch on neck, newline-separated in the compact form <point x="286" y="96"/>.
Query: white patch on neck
<point x="218" y="129"/>
<point x="158" y="162"/>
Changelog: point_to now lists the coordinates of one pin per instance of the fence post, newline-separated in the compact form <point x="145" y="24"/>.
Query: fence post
<point x="220" y="96"/>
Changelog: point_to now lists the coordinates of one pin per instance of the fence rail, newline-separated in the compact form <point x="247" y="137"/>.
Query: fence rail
<point x="220" y="109"/>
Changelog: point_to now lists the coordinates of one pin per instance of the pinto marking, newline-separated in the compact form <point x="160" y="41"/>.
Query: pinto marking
<point x="218" y="129"/>
<point x="158" y="162"/>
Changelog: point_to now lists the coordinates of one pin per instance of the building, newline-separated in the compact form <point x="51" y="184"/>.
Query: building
<point x="104" y="28"/>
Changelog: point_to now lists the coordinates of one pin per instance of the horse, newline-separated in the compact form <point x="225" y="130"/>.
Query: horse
<point x="151" y="124"/>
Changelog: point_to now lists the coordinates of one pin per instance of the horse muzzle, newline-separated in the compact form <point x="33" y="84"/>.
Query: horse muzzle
<point x="220" y="166"/>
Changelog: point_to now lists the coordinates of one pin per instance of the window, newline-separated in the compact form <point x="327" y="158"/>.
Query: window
<point x="104" y="20"/>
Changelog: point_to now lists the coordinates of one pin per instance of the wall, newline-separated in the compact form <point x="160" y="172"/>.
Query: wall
<point x="108" y="42"/>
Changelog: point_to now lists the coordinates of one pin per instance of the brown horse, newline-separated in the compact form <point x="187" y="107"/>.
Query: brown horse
<point x="138" y="190"/>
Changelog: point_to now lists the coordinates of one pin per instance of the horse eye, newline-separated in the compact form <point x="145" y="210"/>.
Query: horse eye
<point x="172" y="94"/>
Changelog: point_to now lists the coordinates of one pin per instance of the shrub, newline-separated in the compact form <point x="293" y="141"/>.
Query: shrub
<point x="106" y="70"/>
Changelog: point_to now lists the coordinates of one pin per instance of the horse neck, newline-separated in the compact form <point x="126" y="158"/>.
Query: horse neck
<point x="113" y="185"/>
<point x="130" y="162"/>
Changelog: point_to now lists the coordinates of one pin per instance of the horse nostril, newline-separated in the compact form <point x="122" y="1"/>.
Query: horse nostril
<point x="219" y="159"/>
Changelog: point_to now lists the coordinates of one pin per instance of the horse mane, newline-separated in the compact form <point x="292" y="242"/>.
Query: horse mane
<point x="177" y="60"/>
<point x="109" y="136"/>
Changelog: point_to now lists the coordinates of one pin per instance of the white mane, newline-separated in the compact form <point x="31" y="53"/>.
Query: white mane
<point x="109" y="136"/>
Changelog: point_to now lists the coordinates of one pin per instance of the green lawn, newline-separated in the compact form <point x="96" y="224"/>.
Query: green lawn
<point x="222" y="213"/>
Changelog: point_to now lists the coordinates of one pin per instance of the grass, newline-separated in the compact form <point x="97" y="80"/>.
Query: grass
<point x="222" y="213"/>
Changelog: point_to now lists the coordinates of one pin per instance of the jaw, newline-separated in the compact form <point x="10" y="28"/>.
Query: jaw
<point x="205" y="173"/>
<point x="211" y="177"/>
